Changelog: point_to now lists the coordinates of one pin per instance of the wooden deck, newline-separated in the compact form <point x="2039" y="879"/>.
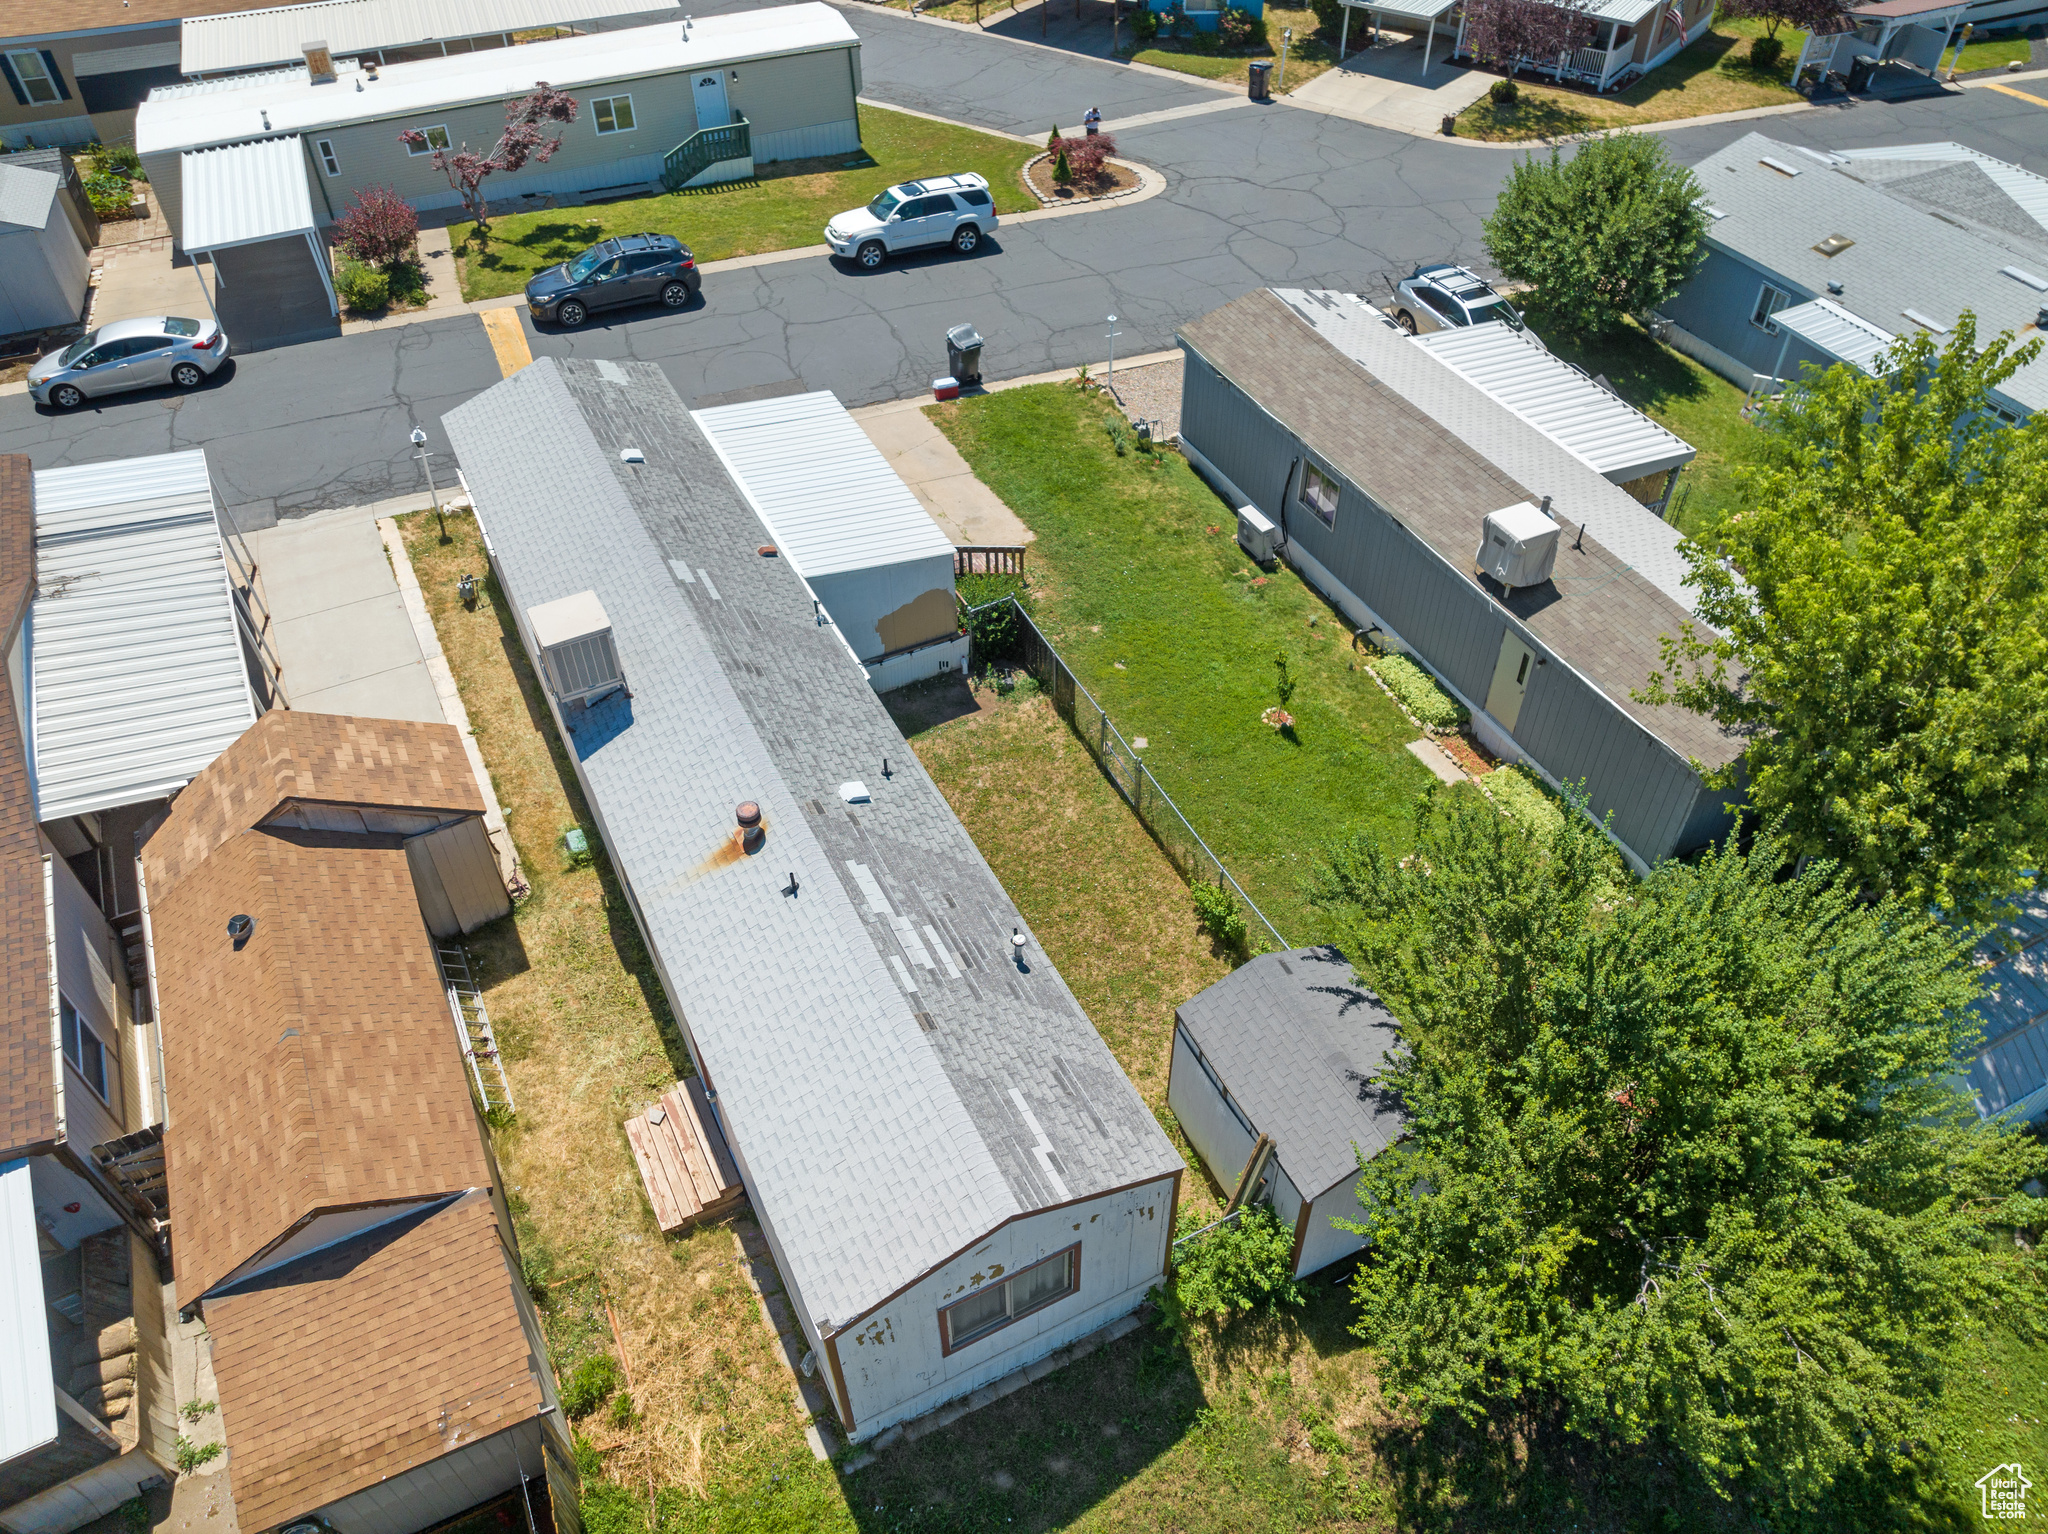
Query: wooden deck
<point x="688" y="1172"/>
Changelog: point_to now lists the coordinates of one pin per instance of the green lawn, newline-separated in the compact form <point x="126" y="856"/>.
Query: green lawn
<point x="1992" y="53"/>
<point x="1141" y="586"/>
<point x="1308" y="56"/>
<point x="785" y="205"/>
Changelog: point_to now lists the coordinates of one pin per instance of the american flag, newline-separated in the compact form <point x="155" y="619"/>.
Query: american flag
<point x="1671" y="14"/>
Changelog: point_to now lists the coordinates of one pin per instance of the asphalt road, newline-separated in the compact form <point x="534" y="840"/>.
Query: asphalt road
<point x="1256" y="195"/>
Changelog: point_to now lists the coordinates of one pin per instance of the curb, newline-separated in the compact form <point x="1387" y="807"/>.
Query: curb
<point x="1137" y="193"/>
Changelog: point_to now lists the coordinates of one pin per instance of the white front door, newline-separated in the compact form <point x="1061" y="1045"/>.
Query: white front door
<point x="1510" y="680"/>
<point x="709" y="90"/>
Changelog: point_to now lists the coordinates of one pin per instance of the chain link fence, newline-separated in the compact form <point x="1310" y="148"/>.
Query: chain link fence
<point x="1183" y="845"/>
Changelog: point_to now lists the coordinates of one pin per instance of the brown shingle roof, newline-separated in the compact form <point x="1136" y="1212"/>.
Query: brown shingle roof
<point x="28" y="1087"/>
<point x="1601" y="616"/>
<point x="362" y="1361"/>
<point x="318" y="1067"/>
<point x="314" y="758"/>
<point x="53" y="18"/>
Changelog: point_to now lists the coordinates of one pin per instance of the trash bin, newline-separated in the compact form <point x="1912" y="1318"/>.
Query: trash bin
<point x="1262" y="82"/>
<point x="1861" y="68"/>
<point x="963" y="354"/>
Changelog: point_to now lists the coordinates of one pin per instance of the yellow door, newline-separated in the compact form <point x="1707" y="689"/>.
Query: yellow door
<point x="1510" y="679"/>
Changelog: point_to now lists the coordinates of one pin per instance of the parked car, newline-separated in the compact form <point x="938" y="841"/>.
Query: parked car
<point x="1441" y="297"/>
<point x="632" y="269"/>
<point x="129" y="354"/>
<point x="940" y="210"/>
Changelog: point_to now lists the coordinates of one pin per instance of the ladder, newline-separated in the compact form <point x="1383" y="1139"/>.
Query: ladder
<point x="473" y="1030"/>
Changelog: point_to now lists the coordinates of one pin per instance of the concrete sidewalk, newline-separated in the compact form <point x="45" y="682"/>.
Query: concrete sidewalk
<point x="339" y="622"/>
<point x="1385" y="86"/>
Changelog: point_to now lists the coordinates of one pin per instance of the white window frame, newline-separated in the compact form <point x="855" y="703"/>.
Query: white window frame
<point x="608" y="106"/>
<point x="427" y="144"/>
<point x="80" y="1030"/>
<point x="1071" y="1256"/>
<point x="1768" y="324"/>
<point x="329" y="161"/>
<point x="42" y="76"/>
<point x="1326" y="516"/>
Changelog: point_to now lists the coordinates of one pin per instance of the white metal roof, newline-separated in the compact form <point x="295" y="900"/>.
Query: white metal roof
<point x="1837" y="332"/>
<point x="1599" y="429"/>
<point x="28" y="1390"/>
<point x="137" y="677"/>
<point x="825" y="491"/>
<point x="234" y="109"/>
<point x="245" y="193"/>
<point x="251" y="39"/>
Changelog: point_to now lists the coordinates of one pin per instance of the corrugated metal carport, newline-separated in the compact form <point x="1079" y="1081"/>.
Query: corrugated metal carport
<point x="253" y="198"/>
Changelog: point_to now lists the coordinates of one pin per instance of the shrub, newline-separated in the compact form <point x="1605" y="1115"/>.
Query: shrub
<point x="121" y="160"/>
<point x="1520" y="795"/>
<point x="1145" y="25"/>
<point x="362" y="288"/>
<point x="1217" y="913"/>
<point x="1505" y="93"/>
<point x="993" y="634"/>
<point x="1765" y="52"/>
<point x="1239" y="1267"/>
<point x="1238" y="28"/>
<point x="1419" y="692"/>
<point x="378" y="227"/>
<point x="1062" y="172"/>
<point x="591" y="1385"/>
<point x="108" y="194"/>
<point x="1084" y="155"/>
<point x="408" y="281"/>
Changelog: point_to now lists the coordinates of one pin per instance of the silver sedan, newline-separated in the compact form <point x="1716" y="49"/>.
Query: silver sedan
<point x="129" y="354"/>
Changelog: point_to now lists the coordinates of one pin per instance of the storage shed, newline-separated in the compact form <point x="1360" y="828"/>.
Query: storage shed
<point x="44" y="269"/>
<point x="851" y="528"/>
<point x="953" y="1175"/>
<point x="1380" y="465"/>
<point x="1286" y="1046"/>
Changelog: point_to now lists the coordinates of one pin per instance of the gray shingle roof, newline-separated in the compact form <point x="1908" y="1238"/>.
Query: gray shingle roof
<point x="1905" y="256"/>
<point x="894" y="1084"/>
<point x="1295" y="1039"/>
<point x="26" y="195"/>
<point x="1403" y="429"/>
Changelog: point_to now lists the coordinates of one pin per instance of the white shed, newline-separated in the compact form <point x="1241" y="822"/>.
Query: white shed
<point x="1285" y="1046"/>
<point x="46" y="268"/>
<point x="851" y="527"/>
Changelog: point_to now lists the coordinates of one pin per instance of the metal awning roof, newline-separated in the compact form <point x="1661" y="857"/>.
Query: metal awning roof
<point x="253" y="39"/>
<point x="137" y="679"/>
<point x="28" y="1389"/>
<point x="1596" y="427"/>
<point x="1837" y="332"/>
<point x="824" y="489"/>
<point x="1403" y="10"/>
<point x="245" y="193"/>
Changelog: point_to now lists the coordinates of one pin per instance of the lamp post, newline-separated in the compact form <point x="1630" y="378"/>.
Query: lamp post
<point x="1113" y="334"/>
<point x="419" y="441"/>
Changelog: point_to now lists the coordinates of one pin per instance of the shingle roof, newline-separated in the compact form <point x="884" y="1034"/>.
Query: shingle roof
<point x="359" y="1362"/>
<point x="28" y="1088"/>
<point x="1901" y="167"/>
<point x="894" y="1087"/>
<point x="1905" y="256"/>
<point x="289" y="754"/>
<point x="1438" y="454"/>
<point x="1295" y="1039"/>
<point x="26" y="195"/>
<point x="316" y="1067"/>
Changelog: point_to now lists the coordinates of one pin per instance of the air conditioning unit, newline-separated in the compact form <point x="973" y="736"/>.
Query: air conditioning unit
<point x="1518" y="545"/>
<point x="1256" y="535"/>
<point x="576" y="649"/>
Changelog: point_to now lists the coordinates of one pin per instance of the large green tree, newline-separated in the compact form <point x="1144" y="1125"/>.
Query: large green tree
<point x="1611" y="231"/>
<point x="1879" y="626"/>
<point x="1682" y="1161"/>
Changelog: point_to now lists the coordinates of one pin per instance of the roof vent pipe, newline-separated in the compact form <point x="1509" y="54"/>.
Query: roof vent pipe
<point x="751" y="834"/>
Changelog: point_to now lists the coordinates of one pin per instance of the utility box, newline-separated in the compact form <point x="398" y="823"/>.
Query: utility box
<point x="574" y="638"/>
<point x="1256" y="535"/>
<point x="1518" y="545"/>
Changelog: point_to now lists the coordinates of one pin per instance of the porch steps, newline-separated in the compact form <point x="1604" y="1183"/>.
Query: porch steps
<point x="473" y="1029"/>
<point x="705" y="148"/>
<point x="688" y="1172"/>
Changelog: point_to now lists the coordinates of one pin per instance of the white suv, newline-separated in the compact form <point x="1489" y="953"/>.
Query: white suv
<point x="940" y="210"/>
<point x="1448" y="297"/>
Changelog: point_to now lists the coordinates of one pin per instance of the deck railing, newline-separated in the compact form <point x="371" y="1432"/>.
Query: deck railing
<point x="704" y="149"/>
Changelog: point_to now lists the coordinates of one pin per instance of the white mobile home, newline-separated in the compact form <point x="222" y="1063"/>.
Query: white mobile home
<point x="952" y="1173"/>
<point x="780" y="83"/>
<point x="1285" y="1048"/>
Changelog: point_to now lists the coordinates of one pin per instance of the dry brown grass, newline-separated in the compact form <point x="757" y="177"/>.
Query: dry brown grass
<point x="587" y="1042"/>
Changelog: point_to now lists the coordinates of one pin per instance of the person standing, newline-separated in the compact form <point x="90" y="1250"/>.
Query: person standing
<point x="1093" y="120"/>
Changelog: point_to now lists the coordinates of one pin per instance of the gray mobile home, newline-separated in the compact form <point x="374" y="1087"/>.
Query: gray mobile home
<point x="1379" y="467"/>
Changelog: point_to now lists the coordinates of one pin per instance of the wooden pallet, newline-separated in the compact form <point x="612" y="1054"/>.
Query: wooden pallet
<point x="684" y="1164"/>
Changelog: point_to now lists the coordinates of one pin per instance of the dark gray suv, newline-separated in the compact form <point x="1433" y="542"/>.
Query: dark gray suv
<point x="632" y="269"/>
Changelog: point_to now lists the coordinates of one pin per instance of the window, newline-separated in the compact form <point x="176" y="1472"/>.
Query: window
<point x="36" y="79"/>
<point x="328" y="161"/>
<point x="614" y="114"/>
<point x="1769" y="301"/>
<point x="1319" y="494"/>
<point x="650" y="260"/>
<point x="974" y="197"/>
<point x="83" y="1049"/>
<point x="995" y="1306"/>
<point x="433" y="138"/>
